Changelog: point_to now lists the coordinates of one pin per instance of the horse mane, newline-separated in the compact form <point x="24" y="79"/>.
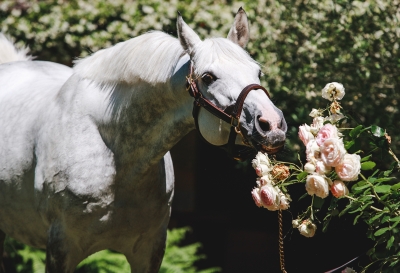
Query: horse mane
<point x="150" y="57"/>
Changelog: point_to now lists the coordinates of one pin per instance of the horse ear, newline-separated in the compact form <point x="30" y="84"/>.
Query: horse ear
<point x="240" y="31"/>
<point x="187" y="36"/>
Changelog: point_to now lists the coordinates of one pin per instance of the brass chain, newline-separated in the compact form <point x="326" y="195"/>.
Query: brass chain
<point x="281" y="253"/>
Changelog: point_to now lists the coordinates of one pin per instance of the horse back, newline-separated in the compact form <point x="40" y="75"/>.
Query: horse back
<point x="27" y="90"/>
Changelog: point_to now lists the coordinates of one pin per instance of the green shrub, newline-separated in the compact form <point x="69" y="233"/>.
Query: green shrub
<point x="178" y="258"/>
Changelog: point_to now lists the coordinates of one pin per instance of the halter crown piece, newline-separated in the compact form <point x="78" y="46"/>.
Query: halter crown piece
<point x="230" y="115"/>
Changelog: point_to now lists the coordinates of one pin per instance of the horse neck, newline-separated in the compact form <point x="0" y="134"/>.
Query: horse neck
<point x="147" y="120"/>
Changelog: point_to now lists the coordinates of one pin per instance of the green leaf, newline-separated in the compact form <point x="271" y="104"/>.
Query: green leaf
<point x="318" y="202"/>
<point x="377" y="131"/>
<point x="385" y="219"/>
<point x="384" y="179"/>
<point x="395" y="219"/>
<point x="349" y="144"/>
<point x="382" y="188"/>
<point x="356" y="131"/>
<point x="368" y="165"/>
<point x="303" y="196"/>
<point x="366" y="158"/>
<point x="356" y="219"/>
<point x="361" y="187"/>
<point x="395" y="187"/>
<point x="390" y="242"/>
<point x="381" y="231"/>
<point x="302" y="175"/>
<point x="387" y="173"/>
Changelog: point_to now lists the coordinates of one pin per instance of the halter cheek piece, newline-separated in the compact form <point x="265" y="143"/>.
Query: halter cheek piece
<point x="230" y="115"/>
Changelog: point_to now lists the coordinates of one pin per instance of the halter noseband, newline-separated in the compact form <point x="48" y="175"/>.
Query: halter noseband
<point x="230" y="115"/>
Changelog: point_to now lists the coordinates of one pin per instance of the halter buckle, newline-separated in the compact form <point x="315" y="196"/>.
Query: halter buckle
<point x="234" y="122"/>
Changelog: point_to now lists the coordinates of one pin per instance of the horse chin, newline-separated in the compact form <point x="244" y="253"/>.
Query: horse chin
<point x="269" y="149"/>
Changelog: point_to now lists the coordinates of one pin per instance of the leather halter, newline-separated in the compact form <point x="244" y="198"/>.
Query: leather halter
<point x="230" y="115"/>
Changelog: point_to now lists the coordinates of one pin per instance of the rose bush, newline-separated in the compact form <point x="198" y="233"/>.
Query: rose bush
<point x="334" y="165"/>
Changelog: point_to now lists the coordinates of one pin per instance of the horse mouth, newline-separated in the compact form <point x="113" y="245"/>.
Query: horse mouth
<point x="269" y="149"/>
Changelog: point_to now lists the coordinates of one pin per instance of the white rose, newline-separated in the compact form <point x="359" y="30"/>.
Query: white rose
<point x="332" y="151"/>
<point x="333" y="91"/>
<point x="321" y="168"/>
<point x="335" y="117"/>
<point x="307" y="228"/>
<point x="309" y="167"/>
<point x="284" y="200"/>
<point x="312" y="151"/>
<point x="349" y="168"/>
<point x="315" y="113"/>
<point x="318" y="123"/>
<point x="270" y="197"/>
<point x="264" y="180"/>
<point x="318" y="185"/>
<point x="305" y="134"/>
<point x="261" y="164"/>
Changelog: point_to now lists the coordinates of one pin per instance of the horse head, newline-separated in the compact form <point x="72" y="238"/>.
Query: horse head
<point x="222" y="72"/>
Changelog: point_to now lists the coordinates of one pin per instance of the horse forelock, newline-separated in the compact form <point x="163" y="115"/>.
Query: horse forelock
<point x="224" y="51"/>
<point x="151" y="57"/>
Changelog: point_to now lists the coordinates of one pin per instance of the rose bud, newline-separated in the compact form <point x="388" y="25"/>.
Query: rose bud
<point x="339" y="189"/>
<point x="309" y="167"/>
<point x="307" y="228"/>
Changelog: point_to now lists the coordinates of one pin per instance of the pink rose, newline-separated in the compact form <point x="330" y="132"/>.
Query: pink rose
<point x="318" y="185"/>
<point x="332" y="151"/>
<point x="327" y="131"/>
<point x="349" y="168"/>
<point x="269" y="197"/>
<point x="339" y="189"/>
<point x="304" y="134"/>
<point x="255" y="193"/>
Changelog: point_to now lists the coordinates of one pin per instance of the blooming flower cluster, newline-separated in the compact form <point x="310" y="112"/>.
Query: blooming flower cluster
<point x="328" y="165"/>
<point x="267" y="194"/>
<point x="325" y="150"/>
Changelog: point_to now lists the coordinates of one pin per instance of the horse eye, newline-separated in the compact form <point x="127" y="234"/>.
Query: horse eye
<point x="208" y="78"/>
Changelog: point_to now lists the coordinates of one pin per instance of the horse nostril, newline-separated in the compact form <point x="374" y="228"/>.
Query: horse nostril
<point x="264" y="124"/>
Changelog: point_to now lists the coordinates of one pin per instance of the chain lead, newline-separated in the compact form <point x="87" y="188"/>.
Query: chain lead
<point x="281" y="253"/>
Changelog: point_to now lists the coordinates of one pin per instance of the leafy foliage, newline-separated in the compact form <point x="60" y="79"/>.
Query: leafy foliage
<point x="178" y="258"/>
<point x="373" y="197"/>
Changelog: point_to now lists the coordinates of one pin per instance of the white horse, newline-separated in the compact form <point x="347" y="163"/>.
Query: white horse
<point x="84" y="161"/>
